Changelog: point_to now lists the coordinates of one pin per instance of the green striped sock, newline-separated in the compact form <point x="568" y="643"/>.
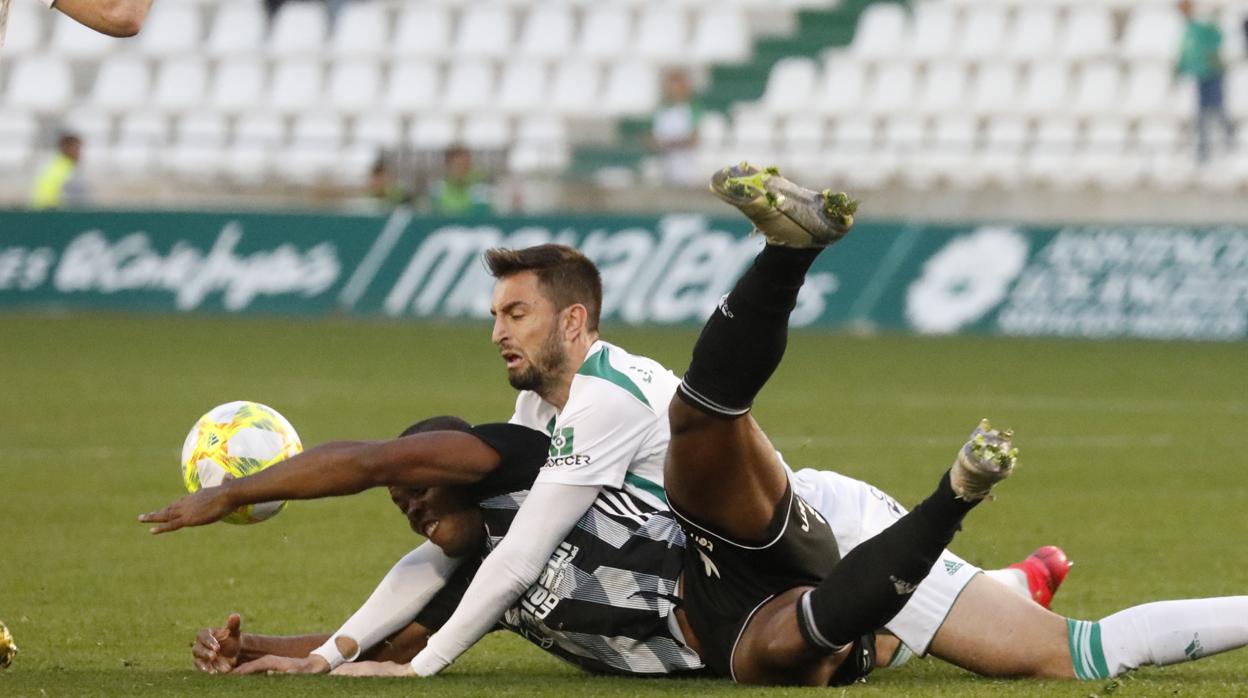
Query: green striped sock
<point x="1085" y="650"/>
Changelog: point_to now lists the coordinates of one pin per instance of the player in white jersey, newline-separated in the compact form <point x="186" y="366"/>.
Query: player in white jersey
<point x="113" y="17"/>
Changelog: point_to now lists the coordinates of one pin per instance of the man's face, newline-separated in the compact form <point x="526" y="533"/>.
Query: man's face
<point x="527" y="332"/>
<point x="444" y="516"/>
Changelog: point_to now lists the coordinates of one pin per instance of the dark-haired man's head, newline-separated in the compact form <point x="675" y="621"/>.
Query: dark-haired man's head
<point x="447" y="515"/>
<point x="546" y="307"/>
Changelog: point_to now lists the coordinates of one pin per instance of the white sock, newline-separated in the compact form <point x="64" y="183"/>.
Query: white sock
<point x="1161" y="633"/>
<point x="1014" y="579"/>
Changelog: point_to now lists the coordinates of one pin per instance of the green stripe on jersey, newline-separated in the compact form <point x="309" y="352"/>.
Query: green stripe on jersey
<point x="599" y="365"/>
<point x="1086" y="655"/>
<point x="645" y="485"/>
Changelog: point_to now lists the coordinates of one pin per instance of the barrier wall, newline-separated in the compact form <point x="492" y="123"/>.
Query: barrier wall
<point x="1077" y="281"/>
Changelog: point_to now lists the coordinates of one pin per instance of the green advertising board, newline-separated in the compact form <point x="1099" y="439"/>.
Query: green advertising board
<point x="1076" y="281"/>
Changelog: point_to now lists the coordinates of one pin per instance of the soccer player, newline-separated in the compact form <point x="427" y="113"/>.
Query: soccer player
<point x="118" y="18"/>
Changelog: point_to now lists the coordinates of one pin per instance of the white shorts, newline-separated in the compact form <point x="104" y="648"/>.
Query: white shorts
<point x="857" y="511"/>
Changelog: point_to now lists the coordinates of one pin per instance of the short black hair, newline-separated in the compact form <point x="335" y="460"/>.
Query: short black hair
<point x="566" y="275"/>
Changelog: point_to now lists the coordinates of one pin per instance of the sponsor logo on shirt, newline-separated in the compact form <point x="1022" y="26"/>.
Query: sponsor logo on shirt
<point x="561" y="445"/>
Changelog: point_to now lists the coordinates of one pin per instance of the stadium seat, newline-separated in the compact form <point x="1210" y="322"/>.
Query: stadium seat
<point x="1236" y="86"/>
<point x="881" y="31"/>
<point x="523" y="88"/>
<point x="1098" y="89"/>
<point x="995" y="90"/>
<point x="841" y="87"/>
<point x="753" y="129"/>
<point x="432" y="132"/>
<point x="198" y="151"/>
<point x="40" y="83"/>
<point x="237" y="85"/>
<point x="485" y="31"/>
<point x="1033" y="34"/>
<point x="122" y="82"/>
<point x="548" y="32"/>
<point x="541" y="145"/>
<point x="1005" y="141"/>
<point x="932" y="31"/>
<point x="983" y="34"/>
<point x="361" y="31"/>
<point x="296" y="86"/>
<point x="804" y="133"/>
<point x="469" y="87"/>
<point x="75" y="41"/>
<point x="632" y="89"/>
<point x="18" y="131"/>
<point x="257" y="137"/>
<point x="790" y="85"/>
<point x="181" y="84"/>
<point x="607" y="32"/>
<point x="486" y="132"/>
<point x="413" y="87"/>
<point x="237" y="31"/>
<point x="171" y="29"/>
<point x="314" y="150"/>
<point x="575" y="88"/>
<point x="1047" y="89"/>
<point x="1148" y="90"/>
<point x="891" y="90"/>
<point x="300" y="30"/>
<point x="424" y="31"/>
<point x="354" y="85"/>
<point x="25" y="30"/>
<point x="142" y="136"/>
<point x="1103" y="159"/>
<point x="720" y="35"/>
<point x="943" y="89"/>
<point x="663" y="34"/>
<point x="1057" y="147"/>
<point x="1089" y="33"/>
<point x="377" y="130"/>
<point x="1153" y="34"/>
<point x="950" y="157"/>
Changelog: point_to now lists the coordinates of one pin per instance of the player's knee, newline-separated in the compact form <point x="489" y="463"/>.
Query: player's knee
<point x="684" y="419"/>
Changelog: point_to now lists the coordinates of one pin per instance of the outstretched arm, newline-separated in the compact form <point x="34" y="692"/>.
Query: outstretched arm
<point x="118" y="18"/>
<point x="428" y="459"/>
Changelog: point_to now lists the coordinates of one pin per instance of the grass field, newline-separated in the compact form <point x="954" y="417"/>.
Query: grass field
<point x="1133" y="460"/>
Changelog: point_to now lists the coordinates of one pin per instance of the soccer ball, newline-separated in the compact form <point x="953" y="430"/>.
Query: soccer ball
<point x="235" y="440"/>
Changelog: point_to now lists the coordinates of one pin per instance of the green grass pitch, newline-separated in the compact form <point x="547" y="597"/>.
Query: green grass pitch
<point x="1133" y="459"/>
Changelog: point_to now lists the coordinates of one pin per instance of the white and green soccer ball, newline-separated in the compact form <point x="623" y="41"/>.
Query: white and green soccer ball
<point x="235" y="440"/>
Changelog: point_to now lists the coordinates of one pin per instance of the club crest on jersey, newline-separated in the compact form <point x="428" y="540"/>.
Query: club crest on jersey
<point x="561" y="442"/>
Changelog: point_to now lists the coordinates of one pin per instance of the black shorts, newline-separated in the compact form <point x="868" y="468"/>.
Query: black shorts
<point x="726" y="582"/>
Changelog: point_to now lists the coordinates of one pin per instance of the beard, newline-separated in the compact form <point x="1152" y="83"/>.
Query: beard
<point x="544" y="366"/>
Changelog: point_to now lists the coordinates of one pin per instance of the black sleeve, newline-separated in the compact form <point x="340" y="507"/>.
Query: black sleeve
<point x="439" y="609"/>
<point x="523" y="452"/>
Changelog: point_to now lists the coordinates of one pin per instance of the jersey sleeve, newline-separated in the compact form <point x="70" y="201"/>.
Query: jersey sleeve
<point x="597" y="437"/>
<point x="47" y="3"/>
<point x="522" y="453"/>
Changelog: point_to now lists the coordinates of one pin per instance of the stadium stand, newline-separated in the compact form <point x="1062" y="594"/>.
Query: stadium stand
<point x="934" y="93"/>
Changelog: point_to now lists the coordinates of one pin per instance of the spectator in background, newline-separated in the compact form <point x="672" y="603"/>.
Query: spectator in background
<point x="60" y="182"/>
<point x="1200" y="58"/>
<point x="674" y="132"/>
<point x="382" y="186"/>
<point x="462" y="190"/>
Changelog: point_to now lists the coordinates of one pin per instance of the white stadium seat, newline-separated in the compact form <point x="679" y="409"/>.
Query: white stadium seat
<point x="1236" y="87"/>
<point x="541" y="145"/>
<point x="841" y="87"/>
<point x="944" y="88"/>
<point x="25" y="30"/>
<point x="198" y="151"/>
<point x="804" y="133"/>
<point x="891" y="90"/>
<point x="469" y="87"/>
<point x="932" y="31"/>
<point x="181" y="84"/>
<point x="881" y="31"/>
<point x="378" y="130"/>
<point x="485" y="30"/>
<point x="314" y="150"/>
<point x="951" y="156"/>
<point x="354" y="85"/>
<point x="994" y="90"/>
<point x="296" y="86"/>
<point x="142" y="137"/>
<point x="18" y="131"/>
<point x="486" y="132"/>
<point x="424" y="30"/>
<point x="1047" y="89"/>
<point x="171" y="29"/>
<point x="663" y="34"/>
<point x="1057" y="147"/>
<point x="790" y="85"/>
<point x="1098" y="89"/>
<point x="1148" y="90"/>
<point x="237" y="85"/>
<point x="720" y="35"/>
<point x="1153" y="34"/>
<point x="1103" y="160"/>
<point x="432" y="132"/>
<point x="238" y="30"/>
<point x="300" y="29"/>
<point x="257" y="137"/>
<point x="39" y="84"/>
<point x="73" y="40"/>
<point x="1089" y="33"/>
<point x="548" y="32"/>
<point x="413" y="87"/>
<point x="96" y="127"/>
<point x="576" y="88"/>
<point x="1005" y="141"/>
<point x="631" y="89"/>
<point x="1033" y="33"/>
<point x="523" y="88"/>
<point x="983" y="34"/>
<point x="123" y="82"/>
<point x="361" y="31"/>
<point x="606" y="31"/>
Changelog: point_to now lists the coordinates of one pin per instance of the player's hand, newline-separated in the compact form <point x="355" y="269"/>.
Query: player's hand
<point x="216" y="650"/>
<point x="374" y="669"/>
<point x="204" y="507"/>
<point x="272" y="664"/>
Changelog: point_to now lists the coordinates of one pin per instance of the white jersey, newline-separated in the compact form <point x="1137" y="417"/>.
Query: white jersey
<point x="613" y="431"/>
<point x="4" y="16"/>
